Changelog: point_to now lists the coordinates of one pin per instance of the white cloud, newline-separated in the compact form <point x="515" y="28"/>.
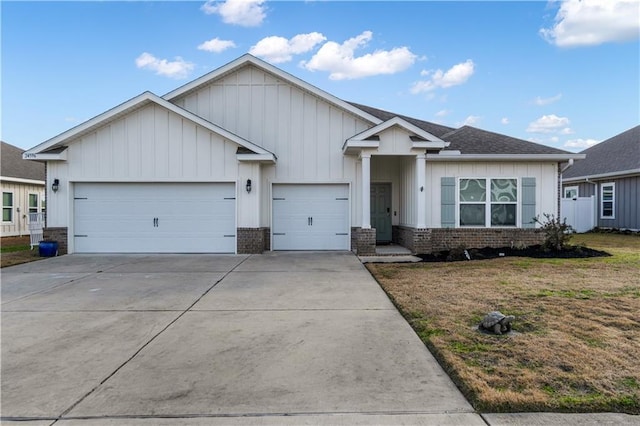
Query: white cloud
<point x="456" y="75"/>
<point x="179" y="68"/>
<point x="580" y="143"/>
<point x="443" y="113"/>
<point x="593" y="22"/>
<point x="549" y="124"/>
<point x="278" y="49"/>
<point x="471" y="120"/>
<point x="342" y="64"/>
<point x="546" y="101"/>
<point x="566" y="131"/>
<point x="216" y="45"/>
<point x="246" y="13"/>
<point x="504" y="120"/>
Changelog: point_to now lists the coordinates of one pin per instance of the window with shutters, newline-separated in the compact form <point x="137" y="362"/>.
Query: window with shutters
<point x="485" y="202"/>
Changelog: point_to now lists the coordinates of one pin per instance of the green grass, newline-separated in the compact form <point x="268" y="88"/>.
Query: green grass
<point x="13" y="249"/>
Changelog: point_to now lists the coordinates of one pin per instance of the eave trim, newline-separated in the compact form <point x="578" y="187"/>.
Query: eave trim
<point x="37" y="152"/>
<point x="621" y="173"/>
<point x="504" y="157"/>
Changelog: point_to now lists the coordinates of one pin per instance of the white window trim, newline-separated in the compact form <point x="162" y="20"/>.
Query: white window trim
<point x="613" y="200"/>
<point x="571" y="188"/>
<point x="13" y="207"/>
<point x="38" y="206"/>
<point x="487" y="203"/>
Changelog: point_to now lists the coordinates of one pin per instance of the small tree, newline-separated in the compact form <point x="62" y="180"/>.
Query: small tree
<point x="557" y="232"/>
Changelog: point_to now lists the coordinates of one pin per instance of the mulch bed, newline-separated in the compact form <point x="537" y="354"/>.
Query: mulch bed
<point x="536" y="251"/>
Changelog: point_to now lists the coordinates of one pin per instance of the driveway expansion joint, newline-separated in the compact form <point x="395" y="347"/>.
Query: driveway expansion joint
<point x="147" y="343"/>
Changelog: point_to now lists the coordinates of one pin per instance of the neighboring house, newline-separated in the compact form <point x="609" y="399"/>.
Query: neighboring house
<point x="250" y="158"/>
<point x="22" y="190"/>
<point x="611" y="175"/>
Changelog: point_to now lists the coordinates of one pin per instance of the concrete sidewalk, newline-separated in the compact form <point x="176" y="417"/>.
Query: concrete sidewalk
<point x="273" y="339"/>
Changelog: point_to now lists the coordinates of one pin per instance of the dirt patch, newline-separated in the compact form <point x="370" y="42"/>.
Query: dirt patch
<point x="17" y="250"/>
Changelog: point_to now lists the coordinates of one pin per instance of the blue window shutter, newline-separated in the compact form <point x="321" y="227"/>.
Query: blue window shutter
<point x="448" y="202"/>
<point x="528" y="202"/>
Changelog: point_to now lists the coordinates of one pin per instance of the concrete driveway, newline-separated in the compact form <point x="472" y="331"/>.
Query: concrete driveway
<point x="279" y="338"/>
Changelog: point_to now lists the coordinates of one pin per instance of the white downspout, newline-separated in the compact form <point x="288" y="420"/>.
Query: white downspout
<point x="564" y="169"/>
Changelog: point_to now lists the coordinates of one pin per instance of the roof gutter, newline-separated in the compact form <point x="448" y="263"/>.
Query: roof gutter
<point x="457" y="156"/>
<point x="569" y="164"/>
<point x="620" y="173"/>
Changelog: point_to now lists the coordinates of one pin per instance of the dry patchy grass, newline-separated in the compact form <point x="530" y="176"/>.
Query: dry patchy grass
<point x="16" y="250"/>
<point x="577" y="346"/>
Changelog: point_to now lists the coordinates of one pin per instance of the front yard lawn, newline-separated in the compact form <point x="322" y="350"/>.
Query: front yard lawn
<point x="576" y="340"/>
<point x="16" y="250"/>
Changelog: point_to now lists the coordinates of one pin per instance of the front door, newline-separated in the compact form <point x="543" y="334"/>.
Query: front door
<point x="381" y="211"/>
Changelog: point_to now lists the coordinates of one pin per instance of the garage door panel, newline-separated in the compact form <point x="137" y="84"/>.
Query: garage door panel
<point x="310" y="217"/>
<point x="154" y="217"/>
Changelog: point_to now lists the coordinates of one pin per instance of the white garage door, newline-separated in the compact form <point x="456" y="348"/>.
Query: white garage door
<point x="310" y="217"/>
<point x="154" y="218"/>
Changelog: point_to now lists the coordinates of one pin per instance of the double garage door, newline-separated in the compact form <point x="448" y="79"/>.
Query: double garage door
<point x="310" y="217"/>
<point x="154" y="218"/>
<point x="200" y="217"/>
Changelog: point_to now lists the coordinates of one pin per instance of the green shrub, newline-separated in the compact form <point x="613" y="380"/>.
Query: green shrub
<point x="557" y="233"/>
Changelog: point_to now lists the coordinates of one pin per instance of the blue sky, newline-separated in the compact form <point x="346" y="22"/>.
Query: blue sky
<point x="561" y="73"/>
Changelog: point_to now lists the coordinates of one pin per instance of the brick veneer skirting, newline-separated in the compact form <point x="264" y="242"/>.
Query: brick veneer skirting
<point x="363" y="241"/>
<point x="438" y="239"/>
<point x="252" y="240"/>
<point x="57" y="234"/>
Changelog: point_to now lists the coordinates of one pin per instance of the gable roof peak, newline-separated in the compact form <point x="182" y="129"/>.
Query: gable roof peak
<point x="248" y="59"/>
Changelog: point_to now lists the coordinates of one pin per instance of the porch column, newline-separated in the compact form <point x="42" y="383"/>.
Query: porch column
<point x="421" y="178"/>
<point x="366" y="190"/>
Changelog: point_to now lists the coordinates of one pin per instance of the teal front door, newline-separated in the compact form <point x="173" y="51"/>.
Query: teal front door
<point x="381" y="211"/>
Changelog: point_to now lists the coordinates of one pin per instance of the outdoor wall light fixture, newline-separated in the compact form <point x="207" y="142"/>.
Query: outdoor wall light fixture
<point x="248" y="185"/>
<point x="55" y="185"/>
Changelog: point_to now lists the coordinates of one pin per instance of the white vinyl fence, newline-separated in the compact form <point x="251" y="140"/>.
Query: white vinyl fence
<point x="36" y="225"/>
<point x="580" y="213"/>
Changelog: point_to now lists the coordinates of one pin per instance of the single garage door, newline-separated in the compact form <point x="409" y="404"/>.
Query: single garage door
<point x="154" y="218"/>
<point x="310" y="217"/>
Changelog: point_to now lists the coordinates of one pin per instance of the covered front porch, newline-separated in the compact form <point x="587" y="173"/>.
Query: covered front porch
<point x="392" y="208"/>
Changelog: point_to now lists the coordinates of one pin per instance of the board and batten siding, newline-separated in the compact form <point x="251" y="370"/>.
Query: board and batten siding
<point x="627" y="203"/>
<point x="545" y="174"/>
<point x="304" y="131"/>
<point x="20" y="223"/>
<point x="627" y="200"/>
<point x="146" y="145"/>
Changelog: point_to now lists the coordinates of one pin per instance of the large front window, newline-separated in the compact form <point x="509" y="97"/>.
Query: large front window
<point x="488" y="202"/>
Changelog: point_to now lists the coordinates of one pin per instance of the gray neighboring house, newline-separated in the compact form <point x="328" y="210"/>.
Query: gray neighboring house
<point x="611" y="174"/>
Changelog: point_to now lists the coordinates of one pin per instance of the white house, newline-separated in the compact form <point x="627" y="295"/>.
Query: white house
<point x="22" y="191"/>
<point x="249" y="158"/>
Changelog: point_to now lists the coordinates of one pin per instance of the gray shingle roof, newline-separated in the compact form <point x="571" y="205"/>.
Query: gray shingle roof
<point x="467" y="139"/>
<point x="470" y="140"/>
<point x="617" y="154"/>
<point x="436" y="130"/>
<point x="13" y="165"/>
